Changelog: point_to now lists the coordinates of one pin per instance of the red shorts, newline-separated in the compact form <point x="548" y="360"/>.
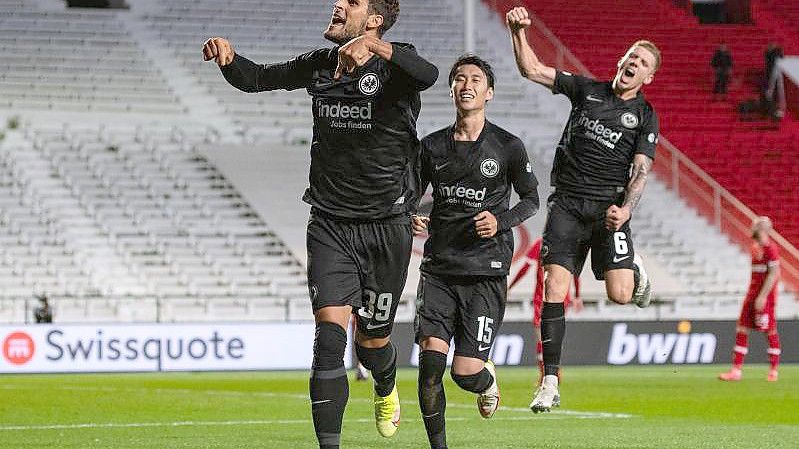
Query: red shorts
<point x="763" y="322"/>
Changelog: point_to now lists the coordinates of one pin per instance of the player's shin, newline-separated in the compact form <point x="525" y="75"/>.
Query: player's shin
<point x="382" y="362"/>
<point x="740" y="350"/>
<point x="553" y="329"/>
<point x="432" y="399"/>
<point x="774" y="352"/>
<point x="329" y="387"/>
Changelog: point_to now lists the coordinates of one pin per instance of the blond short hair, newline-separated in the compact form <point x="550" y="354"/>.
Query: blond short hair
<point x="649" y="45"/>
<point x="762" y="222"/>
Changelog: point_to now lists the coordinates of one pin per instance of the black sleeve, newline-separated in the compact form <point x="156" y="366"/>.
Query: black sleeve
<point x="525" y="184"/>
<point x="647" y="138"/>
<point x="569" y="84"/>
<point x="417" y="71"/>
<point x="297" y="73"/>
<point x="425" y="171"/>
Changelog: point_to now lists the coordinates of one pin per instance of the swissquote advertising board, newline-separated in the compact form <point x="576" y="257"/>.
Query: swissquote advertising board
<point x="281" y="346"/>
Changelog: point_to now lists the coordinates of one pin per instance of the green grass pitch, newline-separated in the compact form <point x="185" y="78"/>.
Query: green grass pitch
<point x="681" y="407"/>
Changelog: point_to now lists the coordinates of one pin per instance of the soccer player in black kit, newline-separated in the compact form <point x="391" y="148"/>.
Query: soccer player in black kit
<point x="600" y="170"/>
<point x="472" y="166"/>
<point x="363" y="186"/>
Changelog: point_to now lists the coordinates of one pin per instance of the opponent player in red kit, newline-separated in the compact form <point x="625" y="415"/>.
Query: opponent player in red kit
<point x="758" y="309"/>
<point x="533" y="256"/>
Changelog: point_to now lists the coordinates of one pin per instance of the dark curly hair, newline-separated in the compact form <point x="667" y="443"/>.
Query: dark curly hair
<point x="389" y="9"/>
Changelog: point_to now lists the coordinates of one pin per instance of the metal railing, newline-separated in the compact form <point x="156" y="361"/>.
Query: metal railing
<point x="732" y="217"/>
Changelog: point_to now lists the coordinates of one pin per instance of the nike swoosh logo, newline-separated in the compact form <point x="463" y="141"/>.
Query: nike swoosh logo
<point x="321" y="402"/>
<point x="619" y="259"/>
<point x="481" y="348"/>
<point x="546" y="341"/>
<point x="593" y="98"/>
<point x="430" y="416"/>
<point x="439" y="167"/>
<point x="371" y="326"/>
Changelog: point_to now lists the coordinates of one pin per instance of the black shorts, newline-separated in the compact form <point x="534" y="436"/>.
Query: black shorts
<point x="469" y="308"/>
<point x="359" y="263"/>
<point x="575" y="225"/>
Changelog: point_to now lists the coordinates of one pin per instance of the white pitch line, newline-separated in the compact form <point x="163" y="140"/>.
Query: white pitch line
<point x="559" y="413"/>
<point x="264" y="422"/>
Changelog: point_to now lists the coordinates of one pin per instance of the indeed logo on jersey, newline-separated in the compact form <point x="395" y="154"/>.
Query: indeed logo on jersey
<point x="345" y="116"/>
<point x="462" y="195"/>
<point x="595" y="130"/>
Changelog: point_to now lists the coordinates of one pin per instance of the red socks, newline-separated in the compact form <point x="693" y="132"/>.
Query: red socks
<point x="774" y="350"/>
<point x="740" y="350"/>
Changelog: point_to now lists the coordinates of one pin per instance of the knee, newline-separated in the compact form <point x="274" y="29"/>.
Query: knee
<point x="432" y="365"/>
<point x="329" y="344"/>
<point x="434" y="344"/>
<point x="555" y="289"/>
<point x="619" y="293"/>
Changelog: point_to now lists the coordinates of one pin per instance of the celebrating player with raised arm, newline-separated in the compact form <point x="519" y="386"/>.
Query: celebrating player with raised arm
<point x="363" y="185"/>
<point x="600" y="170"/>
<point x="760" y="303"/>
<point x="472" y="166"/>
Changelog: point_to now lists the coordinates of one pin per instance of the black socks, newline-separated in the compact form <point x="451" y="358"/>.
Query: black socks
<point x="328" y="385"/>
<point x="382" y="362"/>
<point x="432" y="400"/>
<point x="553" y="328"/>
<point x="476" y="383"/>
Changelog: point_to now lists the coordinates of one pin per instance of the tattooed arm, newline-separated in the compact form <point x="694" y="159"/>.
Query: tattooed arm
<point x="616" y="216"/>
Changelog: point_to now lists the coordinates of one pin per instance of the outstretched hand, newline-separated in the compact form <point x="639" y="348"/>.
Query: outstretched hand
<point x="218" y="49"/>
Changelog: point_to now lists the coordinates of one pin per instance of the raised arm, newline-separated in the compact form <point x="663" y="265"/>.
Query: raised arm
<point x="420" y="72"/>
<point x="530" y="67"/>
<point x="248" y="76"/>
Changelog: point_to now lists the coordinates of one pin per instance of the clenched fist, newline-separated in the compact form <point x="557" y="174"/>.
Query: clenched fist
<point x="518" y="19"/>
<point x="485" y="223"/>
<point x="218" y="49"/>
<point x="419" y="224"/>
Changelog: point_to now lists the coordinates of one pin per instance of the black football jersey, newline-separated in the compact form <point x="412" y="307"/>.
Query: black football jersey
<point x="468" y="178"/>
<point x="365" y="150"/>
<point x="601" y="138"/>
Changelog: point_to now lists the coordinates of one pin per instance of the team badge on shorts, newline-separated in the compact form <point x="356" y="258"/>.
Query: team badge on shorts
<point x="369" y="84"/>
<point x="489" y="168"/>
<point x="629" y="120"/>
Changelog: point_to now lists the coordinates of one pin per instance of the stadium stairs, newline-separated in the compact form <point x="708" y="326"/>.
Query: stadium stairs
<point x="755" y="160"/>
<point x="160" y="144"/>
